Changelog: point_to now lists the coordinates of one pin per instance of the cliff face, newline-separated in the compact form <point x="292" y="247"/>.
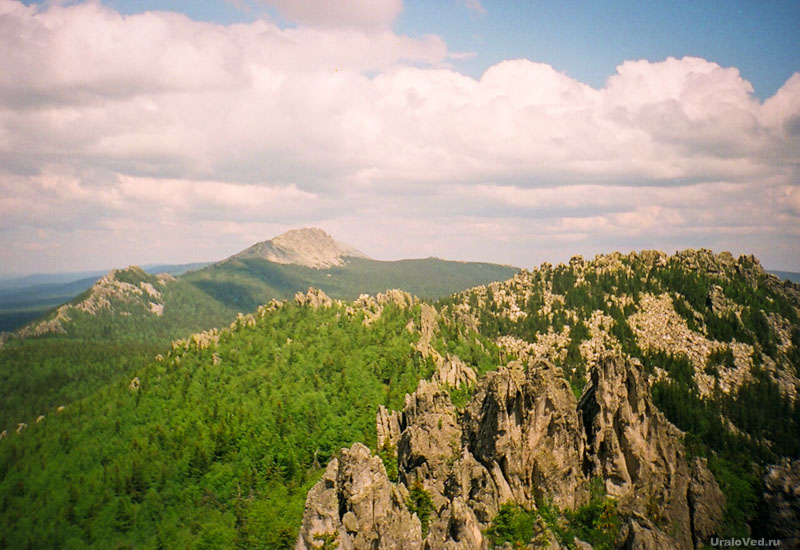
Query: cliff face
<point x="523" y="438"/>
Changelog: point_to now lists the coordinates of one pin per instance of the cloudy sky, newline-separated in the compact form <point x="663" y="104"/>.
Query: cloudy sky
<point x="157" y="131"/>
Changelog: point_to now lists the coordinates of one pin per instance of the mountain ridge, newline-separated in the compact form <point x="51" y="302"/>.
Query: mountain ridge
<point x="129" y="309"/>
<point x="229" y="430"/>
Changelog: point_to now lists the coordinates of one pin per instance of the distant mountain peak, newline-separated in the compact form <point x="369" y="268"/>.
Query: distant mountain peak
<point x="309" y="247"/>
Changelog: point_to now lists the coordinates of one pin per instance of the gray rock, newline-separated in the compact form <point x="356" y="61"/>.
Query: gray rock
<point x="355" y="502"/>
<point x="453" y="372"/>
<point x="521" y="438"/>
<point x="524" y="428"/>
<point x="782" y="500"/>
<point x="640" y="455"/>
<point x="706" y="502"/>
<point x="638" y="537"/>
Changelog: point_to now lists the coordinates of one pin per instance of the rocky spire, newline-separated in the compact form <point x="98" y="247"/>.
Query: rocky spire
<point x="522" y="438"/>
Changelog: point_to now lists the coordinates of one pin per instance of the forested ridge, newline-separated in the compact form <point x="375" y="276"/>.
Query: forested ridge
<point x="216" y="442"/>
<point x="129" y="316"/>
<point x="219" y="442"/>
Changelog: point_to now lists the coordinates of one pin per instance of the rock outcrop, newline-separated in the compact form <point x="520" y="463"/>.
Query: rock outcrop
<point x="782" y="500"/>
<point x="117" y="292"/>
<point x="522" y="438"/>
<point x="639" y="454"/>
<point x="523" y="427"/>
<point x="355" y="505"/>
<point x="309" y="247"/>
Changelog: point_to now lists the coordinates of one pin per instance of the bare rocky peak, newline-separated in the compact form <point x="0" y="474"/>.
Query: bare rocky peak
<point x="309" y="247"/>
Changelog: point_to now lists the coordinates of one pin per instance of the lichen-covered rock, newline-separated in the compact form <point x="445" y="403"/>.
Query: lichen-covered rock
<point x="387" y="427"/>
<point x="357" y="505"/>
<point x="315" y="298"/>
<point x="431" y="440"/>
<point x="782" y="500"/>
<point x="522" y="438"/>
<point x="635" y="536"/>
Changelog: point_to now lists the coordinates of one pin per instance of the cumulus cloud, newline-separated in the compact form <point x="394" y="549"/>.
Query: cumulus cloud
<point x="154" y="120"/>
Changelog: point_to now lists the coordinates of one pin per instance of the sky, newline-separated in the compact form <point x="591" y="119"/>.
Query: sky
<point x="517" y="132"/>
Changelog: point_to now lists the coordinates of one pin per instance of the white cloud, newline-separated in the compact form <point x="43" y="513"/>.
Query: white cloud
<point x="155" y="120"/>
<point x="330" y="13"/>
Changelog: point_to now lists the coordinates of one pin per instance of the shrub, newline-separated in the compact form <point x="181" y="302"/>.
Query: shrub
<point x="420" y="502"/>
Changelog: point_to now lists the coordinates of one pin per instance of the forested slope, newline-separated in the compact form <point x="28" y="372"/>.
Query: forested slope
<point x="129" y="316"/>
<point x="215" y="443"/>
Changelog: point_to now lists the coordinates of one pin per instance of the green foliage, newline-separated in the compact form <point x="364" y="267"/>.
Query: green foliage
<point x="246" y="283"/>
<point x="760" y="409"/>
<point x="756" y="321"/>
<point x="420" y="502"/>
<point x="388" y="454"/>
<point x="327" y="541"/>
<point x="686" y="312"/>
<point x="39" y="374"/>
<point x="793" y="353"/>
<point x="460" y="396"/>
<point x="596" y="522"/>
<point x="726" y="328"/>
<point x="678" y="366"/>
<point x="622" y="331"/>
<point x="513" y="524"/>
<point x="219" y="446"/>
<point x="720" y="357"/>
<point x="741" y="485"/>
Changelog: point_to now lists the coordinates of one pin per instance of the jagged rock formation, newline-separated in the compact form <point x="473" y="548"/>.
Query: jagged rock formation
<point x="640" y="455"/>
<point x="308" y="247"/>
<point x="356" y="504"/>
<point x="524" y="438"/>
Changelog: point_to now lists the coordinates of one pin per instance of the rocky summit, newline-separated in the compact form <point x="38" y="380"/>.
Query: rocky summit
<point x="309" y="247"/>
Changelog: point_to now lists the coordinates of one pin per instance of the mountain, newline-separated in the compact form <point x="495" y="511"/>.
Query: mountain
<point x="129" y="315"/>
<point x="787" y="275"/>
<point x="309" y="247"/>
<point x="630" y="401"/>
<point x="24" y="299"/>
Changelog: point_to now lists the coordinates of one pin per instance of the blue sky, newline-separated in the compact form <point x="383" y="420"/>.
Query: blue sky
<point x="586" y="40"/>
<point x="513" y="132"/>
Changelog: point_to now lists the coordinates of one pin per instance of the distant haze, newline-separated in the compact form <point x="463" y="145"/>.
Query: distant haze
<point x="130" y="134"/>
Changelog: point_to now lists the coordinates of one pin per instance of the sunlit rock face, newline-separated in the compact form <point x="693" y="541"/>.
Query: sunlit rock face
<point x="522" y="438"/>
<point x="309" y="247"/>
